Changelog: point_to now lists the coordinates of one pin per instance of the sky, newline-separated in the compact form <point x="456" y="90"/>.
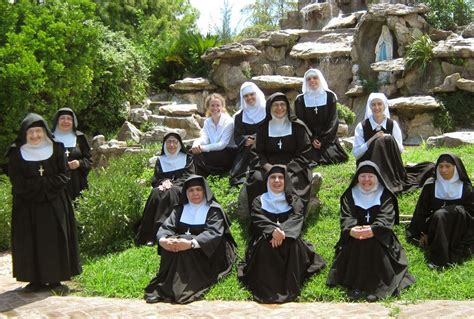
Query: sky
<point x="211" y="13"/>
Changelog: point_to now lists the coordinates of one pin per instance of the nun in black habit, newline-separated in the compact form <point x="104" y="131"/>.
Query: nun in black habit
<point x="369" y="262"/>
<point x="281" y="139"/>
<point x="77" y="149"/>
<point x="43" y="230"/>
<point x="196" y="247"/>
<point x="172" y="168"/>
<point x="246" y="121"/>
<point x="379" y="139"/>
<point x="278" y="261"/>
<point x="443" y="221"/>
<point x="316" y="107"/>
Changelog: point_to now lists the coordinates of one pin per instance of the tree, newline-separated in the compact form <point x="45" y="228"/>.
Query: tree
<point x="46" y="58"/>
<point x="224" y="30"/>
<point x="449" y="14"/>
<point x="265" y="15"/>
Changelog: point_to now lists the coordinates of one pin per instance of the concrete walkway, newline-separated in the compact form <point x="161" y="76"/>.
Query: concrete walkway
<point x="14" y="304"/>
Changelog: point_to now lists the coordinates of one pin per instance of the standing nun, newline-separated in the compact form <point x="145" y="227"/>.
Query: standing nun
<point x="77" y="150"/>
<point x="214" y="150"/>
<point x="43" y="233"/>
<point x="246" y="121"/>
<point x="278" y="261"/>
<point x="316" y="107"/>
<point x="172" y="168"/>
<point x="281" y="139"/>
<point x="443" y="221"/>
<point x="370" y="262"/>
<point x="196" y="247"/>
<point x="379" y="139"/>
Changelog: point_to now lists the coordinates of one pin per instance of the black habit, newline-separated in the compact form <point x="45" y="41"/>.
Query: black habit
<point x="290" y="150"/>
<point x="449" y="224"/>
<point x="277" y="275"/>
<point x="81" y="152"/>
<point x="185" y="276"/>
<point x="384" y="152"/>
<point x="244" y="156"/>
<point x="160" y="203"/>
<point x="323" y="122"/>
<point x="378" y="265"/>
<point x="43" y="231"/>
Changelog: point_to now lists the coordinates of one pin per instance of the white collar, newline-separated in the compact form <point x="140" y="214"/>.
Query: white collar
<point x="69" y="139"/>
<point x="172" y="162"/>
<point x="315" y="98"/>
<point x="367" y="199"/>
<point x="252" y="114"/>
<point x="279" y="127"/>
<point x="448" y="189"/>
<point x="274" y="203"/>
<point x="195" y="214"/>
<point x="375" y="124"/>
<point x="36" y="153"/>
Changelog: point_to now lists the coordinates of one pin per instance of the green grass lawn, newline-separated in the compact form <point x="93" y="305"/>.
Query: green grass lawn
<point x="125" y="274"/>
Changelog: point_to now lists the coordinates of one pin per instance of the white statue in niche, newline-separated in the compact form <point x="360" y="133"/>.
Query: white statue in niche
<point x="384" y="51"/>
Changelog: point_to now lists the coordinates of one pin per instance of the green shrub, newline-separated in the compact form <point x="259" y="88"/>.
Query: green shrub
<point x="109" y="210"/>
<point x="456" y="110"/>
<point x="448" y="14"/>
<point x="5" y="213"/>
<point x="419" y="54"/>
<point x="345" y="113"/>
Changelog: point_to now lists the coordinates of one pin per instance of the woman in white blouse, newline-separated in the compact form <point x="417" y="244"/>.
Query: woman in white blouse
<point x="379" y="139"/>
<point x="214" y="150"/>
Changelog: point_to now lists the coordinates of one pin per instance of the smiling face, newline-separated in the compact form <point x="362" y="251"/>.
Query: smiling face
<point x="378" y="107"/>
<point x="277" y="182"/>
<point x="446" y="170"/>
<point x="171" y="144"/>
<point x="250" y="98"/>
<point x="215" y="107"/>
<point x="195" y="194"/>
<point x="65" y="123"/>
<point x="367" y="181"/>
<point x="279" y="109"/>
<point x="35" y="135"/>
<point x="313" y="82"/>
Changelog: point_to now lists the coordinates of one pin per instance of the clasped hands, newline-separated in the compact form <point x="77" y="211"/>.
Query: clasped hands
<point x="316" y="144"/>
<point x="196" y="149"/>
<point x="362" y="232"/>
<point x="278" y="236"/>
<point x="165" y="185"/>
<point x="175" y="244"/>
<point x="73" y="164"/>
<point x="376" y="135"/>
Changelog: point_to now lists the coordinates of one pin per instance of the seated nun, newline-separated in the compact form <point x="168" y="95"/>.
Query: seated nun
<point x="443" y="221"/>
<point x="214" y="151"/>
<point x="369" y="262"/>
<point x="278" y="261"/>
<point x="172" y="168"/>
<point x="281" y="139"/>
<point x="316" y="107"/>
<point x="195" y="245"/>
<point x="379" y="139"/>
<point x="246" y="121"/>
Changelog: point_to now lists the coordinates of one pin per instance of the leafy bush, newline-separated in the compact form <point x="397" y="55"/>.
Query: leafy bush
<point x="448" y="14"/>
<point x="120" y="75"/>
<point x="345" y="113"/>
<point x="113" y="204"/>
<point x="419" y="54"/>
<point x="5" y="213"/>
<point x="456" y="110"/>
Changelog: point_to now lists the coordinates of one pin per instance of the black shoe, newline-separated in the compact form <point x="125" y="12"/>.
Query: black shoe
<point x="32" y="287"/>
<point x="355" y="294"/>
<point x="372" y="298"/>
